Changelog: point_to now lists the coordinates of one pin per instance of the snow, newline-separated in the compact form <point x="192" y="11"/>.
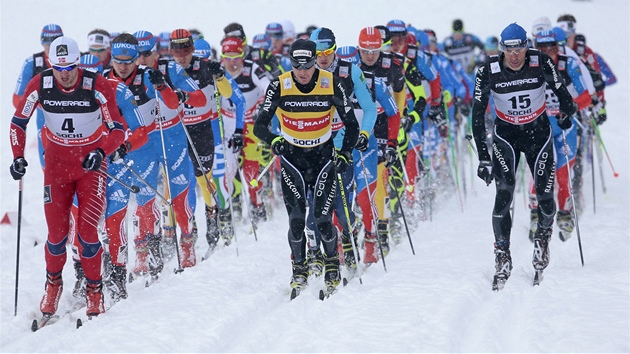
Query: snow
<point x="438" y="300"/>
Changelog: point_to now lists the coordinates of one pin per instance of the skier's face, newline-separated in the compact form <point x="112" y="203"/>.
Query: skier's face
<point x="324" y="60"/>
<point x="66" y="75"/>
<point x="550" y="50"/>
<point x="183" y="60"/>
<point x="304" y="76"/>
<point x="147" y="58"/>
<point x="398" y="43"/>
<point x="515" y="57"/>
<point x="369" y="57"/>
<point x="123" y="66"/>
<point x="232" y="61"/>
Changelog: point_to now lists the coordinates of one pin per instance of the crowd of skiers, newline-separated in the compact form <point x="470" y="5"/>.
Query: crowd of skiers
<point x="349" y="138"/>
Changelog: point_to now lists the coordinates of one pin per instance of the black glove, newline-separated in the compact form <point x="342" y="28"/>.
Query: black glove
<point x="463" y="108"/>
<point x="390" y="155"/>
<point x="342" y="161"/>
<point x="93" y="160"/>
<point x="362" y="142"/>
<point x="121" y="152"/>
<point x="236" y="141"/>
<point x="599" y="109"/>
<point x="18" y="168"/>
<point x="484" y="171"/>
<point x="564" y="121"/>
<point x="420" y="105"/>
<point x="436" y="114"/>
<point x="279" y="146"/>
<point x="216" y="69"/>
<point x="157" y="78"/>
<point x="182" y="96"/>
<point x="406" y="123"/>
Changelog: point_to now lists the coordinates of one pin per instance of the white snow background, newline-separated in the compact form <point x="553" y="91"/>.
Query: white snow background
<point x="439" y="300"/>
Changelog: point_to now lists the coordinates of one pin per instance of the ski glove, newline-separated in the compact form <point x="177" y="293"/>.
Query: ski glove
<point x="406" y="123"/>
<point x="93" y="160"/>
<point x="157" y="78"/>
<point x="599" y="110"/>
<point x="436" y="114"/>
<point x="279" y="146"/>
<point x="420" y="105"/>
<point x="564" y="121"/>
<point x="484" y="171"/>
<point x="216" y="69"/>
<point x="362" y="142"/>
<point x="18" y="168"/>
<point x="121" y="152"/>
<point x="464" y="109"/>
<point x="236" y="141"/>
<point x="390" y="155"/>
<point x="182" y="96"/>
<point x="342" y="161"/>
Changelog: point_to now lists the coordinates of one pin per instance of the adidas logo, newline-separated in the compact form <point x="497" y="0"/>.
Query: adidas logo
<point x="180" y="180"/>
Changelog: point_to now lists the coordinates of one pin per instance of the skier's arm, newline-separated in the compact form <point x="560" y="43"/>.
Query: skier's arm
<point x="556" y="83"/>
<point x="480" y="101"/>
<point x="342" y="102"/>
<point x="112" y="119"/>
<point x="23" y="112"/>
<point x="267" y="111"/>
<point x="362" y="93"/>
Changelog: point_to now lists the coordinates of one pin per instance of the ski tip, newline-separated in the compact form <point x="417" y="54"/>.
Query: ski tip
<point x="79" y="323"/>
<point x="322" y="295"/>
<point x="178" y="270"/>
<point x="34" y="326"/>
<point x="294" y="293"/>
<point x="344" y="281"/>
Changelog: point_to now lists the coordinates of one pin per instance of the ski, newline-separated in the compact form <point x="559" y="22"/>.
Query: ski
<point x="45" y="320"/>
<point x="326" y="293"/>
<point x="294" y="293"/>
<point x="538" y="277"/>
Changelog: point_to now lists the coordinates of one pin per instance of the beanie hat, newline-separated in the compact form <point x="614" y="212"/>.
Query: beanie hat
<point x="397" y="28"/>
<point x="261" y="40"/>
<point x="146" y="41"/>
<point x="234" y="30"/>
<point x="64" y="51"/>
<point x="324" y="38"/>
<point x="91" y="62"/>
<point x="349" y="53"/>
<point x="513" y="36"/>
<point x="302" y="54"/>
<point x="50" y="33"/>
<point x="202" y="48"/>
<point x="274" y="29"/>
<point x="98" y="40"/>
<point x="458" y="25"/>
<point x="232" y="45"/>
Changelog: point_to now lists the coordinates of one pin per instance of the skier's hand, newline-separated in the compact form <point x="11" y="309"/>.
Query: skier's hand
<point x="390" y="155"/>
<point x="279" y="146"/>
<point x="120" y="153"/>
<point x="362" y="142"/>
<point x="93" y="160"/>
<point x="18" y="168"/>
<point x="216" y="69"/>
<point x="406" y="123"/>
<point x="236" y="142"/>
<point x="564" y="121"/>
<point x="157" y="78"/>
<point x="342" y="161"/>
<point x="182" y="96"/>
<point x="484" y="171"/>
<point x="436" y="114"/>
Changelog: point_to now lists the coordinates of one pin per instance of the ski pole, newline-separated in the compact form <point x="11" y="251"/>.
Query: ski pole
<point x="451" y="144"/>
<point x="342" y="189"/>
<point x="254" y="182"/>
<point x="374" y="227"/>
<point x="601" y="142"/>
<point x="577" y="225"/>
<point x="227" y="165"/>
<point x="128" y="165"/>
<point x="134" y="189"/>
<point x="249" y="209"/>
<point x="158" y="114"/>
<point x="17" y="257"/>
<point x="211" y="188"/>
<point x="403" y="215"/>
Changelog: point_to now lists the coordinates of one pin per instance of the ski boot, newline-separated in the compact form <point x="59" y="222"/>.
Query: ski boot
<point x="187" y="256"/>
<point x="259" y="213"/>
<point x="565" y="224"/>
<point x="156" y="261"/>
<point x="383" y="235"/>
<point x="94" y="300"/>
<point x="225" y="226"/>
<point x="79" y="285"/>
<point x="237" y="208"/>
<point x="371" y="249"/>
<point x="348" y="253"/>
<point x="503" y="264"/>
<point x="533" y="223"/>
<point x="332" y="276"/>
<point x="315" y="261"/>
<point x="52" y="293"/>
<point x="118" y="282"/>
<point x="212" y="231"/>
<point x="169" y="246"/>
<point x="396" y="227"/>
<point x="299" y="280"/>
<point x="541" y="248"/>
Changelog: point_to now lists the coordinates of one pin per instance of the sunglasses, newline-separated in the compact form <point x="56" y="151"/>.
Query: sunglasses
<point x="64" y="68"/>
<point x="146" y="53"/>
<point x="124" y="61"/>
<point x="369" y="51"/>
<point x="98" y="50"/>
<point x="302" y="66"/>
<point x="232" y="57"/>
<point x="182" y="52"/>
<point x="326" y="52"/>
<point x="514" y="50"/>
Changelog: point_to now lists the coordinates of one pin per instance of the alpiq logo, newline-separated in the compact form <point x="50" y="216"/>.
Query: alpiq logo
<point x="61" y="50"/>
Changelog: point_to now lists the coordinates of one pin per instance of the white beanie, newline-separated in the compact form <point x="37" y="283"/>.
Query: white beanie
<point x="64" y="51"/>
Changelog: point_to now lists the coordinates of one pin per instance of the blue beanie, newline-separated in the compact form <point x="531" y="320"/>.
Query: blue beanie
<point x="324" y="38"/>
<point x="50" y="33"/>
<point x="202" y="48"/>
<point x="513" y="36"/>
<point x="146" y="41"/>
<point x="91" y="62"/>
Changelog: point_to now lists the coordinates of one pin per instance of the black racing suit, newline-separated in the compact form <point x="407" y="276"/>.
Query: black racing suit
<point x="305" y="113"/>
<point x="521" y="126"/>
